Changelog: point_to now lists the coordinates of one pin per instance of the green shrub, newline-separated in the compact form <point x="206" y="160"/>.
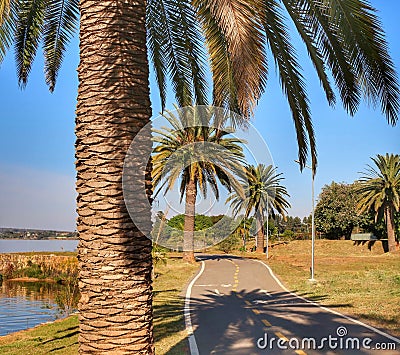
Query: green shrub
<point x="229" y="244"/>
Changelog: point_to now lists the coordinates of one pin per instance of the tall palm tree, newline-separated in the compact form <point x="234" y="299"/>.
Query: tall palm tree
<point x="263" y="194"/>
<point x="379" y="190"/>
<point x="344" y="38"/>
<point x="200" y="155"/>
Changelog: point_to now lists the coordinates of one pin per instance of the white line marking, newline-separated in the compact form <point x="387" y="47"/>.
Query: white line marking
<point x="227" y="285"/>
<point x="261" y="302"/>
<point x="217" y="292"/>
<point x="266" y="292"/>
<point x="194" y="350"/>
<point x="330" y="310"/>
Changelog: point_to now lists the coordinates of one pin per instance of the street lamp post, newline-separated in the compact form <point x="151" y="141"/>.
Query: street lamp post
<point x="312" y="221"/>
<point x="266" y="250"/>
<point x="312" y="227"/>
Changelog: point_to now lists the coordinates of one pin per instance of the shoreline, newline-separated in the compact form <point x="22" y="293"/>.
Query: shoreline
<point x="30" y="279"/>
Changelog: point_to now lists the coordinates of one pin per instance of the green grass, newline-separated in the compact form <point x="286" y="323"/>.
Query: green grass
<point x="61" y="337"/>
<point x="351" y="279"/>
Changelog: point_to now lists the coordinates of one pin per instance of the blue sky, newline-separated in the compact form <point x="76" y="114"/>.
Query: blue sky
<point x="37" y="138"/>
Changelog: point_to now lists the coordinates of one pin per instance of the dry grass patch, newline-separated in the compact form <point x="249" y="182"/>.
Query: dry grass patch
<point x="350" y="279"/>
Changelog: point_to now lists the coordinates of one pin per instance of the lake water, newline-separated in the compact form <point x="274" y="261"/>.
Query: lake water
<point x="28" y="245"/>
<point x="24" y="305"/>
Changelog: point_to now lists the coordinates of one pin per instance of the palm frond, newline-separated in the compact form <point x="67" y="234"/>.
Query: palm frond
<point x="61" y="19"/>
<point x="291" y="79"/>
<point x="235" y="25"/>
<point x="28" y="34"/>
<point x="224" y="85"/>
<point x="175" y="48"/>
<point x="313" y="51"/>
<point x="7" y="26"/>
<point x="5" y="9"/>
<point x="362" y="35"/>
<point x="317" y="17"/>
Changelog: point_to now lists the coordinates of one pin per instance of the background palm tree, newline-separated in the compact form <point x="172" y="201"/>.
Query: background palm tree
<point x="342" y="37"/>
<point x="379" y="190"/>
<point x="200" y="155"/>
<point x="263" y="193"/>
<point x="243" y="231"/>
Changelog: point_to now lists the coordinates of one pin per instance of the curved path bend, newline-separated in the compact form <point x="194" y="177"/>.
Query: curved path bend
<point x="237" y="306"/>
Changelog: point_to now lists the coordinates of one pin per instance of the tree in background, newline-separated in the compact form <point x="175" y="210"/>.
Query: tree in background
<point x="336" y="213"/>
<point x="243" y="230"/>
<point x="199" y="155"/>
<point x="379" y="191"/>
<point x="263" y="194"/>
<point x="201" y="222"/>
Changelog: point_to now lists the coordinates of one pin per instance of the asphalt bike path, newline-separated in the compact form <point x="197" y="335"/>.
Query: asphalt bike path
<point x="237" y="306"/>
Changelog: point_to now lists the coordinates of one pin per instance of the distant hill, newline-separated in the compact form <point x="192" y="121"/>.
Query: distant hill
<point x="23" y="233"/>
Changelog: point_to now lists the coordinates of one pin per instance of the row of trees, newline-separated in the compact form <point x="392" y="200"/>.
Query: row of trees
<point x="370" y="203"/>
<point x="169" y="232"/>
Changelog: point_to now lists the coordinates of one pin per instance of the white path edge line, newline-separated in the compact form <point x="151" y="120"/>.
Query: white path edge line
<point x="194" y="350"/>
<point x="328" y="309"/>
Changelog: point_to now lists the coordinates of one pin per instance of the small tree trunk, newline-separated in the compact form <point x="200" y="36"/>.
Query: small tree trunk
<point x="389" y="216"/>
<point x="260" y="235"/>
<point x="188" y="232"/>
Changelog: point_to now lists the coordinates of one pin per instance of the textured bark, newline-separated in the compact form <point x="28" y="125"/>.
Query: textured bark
<point x="260" y="235"/>
<point x="115" y="262"/>
<point x="188" y="232"/>
<point x="389" y="217"/>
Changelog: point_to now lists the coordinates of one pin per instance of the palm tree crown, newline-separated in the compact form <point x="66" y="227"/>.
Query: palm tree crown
<point x="193" y="148"/>
<point x="379" y="190"/>
<point x="262" y="192"/>
<point x="342" y="38"/>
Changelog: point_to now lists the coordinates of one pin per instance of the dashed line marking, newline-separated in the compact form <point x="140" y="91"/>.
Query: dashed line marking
<point x="256" y="311"/>
<point x="247" y="302"/>
<point x="266" y="323"/>
<point x="281" y="336"/>
<point x="300" y="352"/>
<point x="235" y="276"/>
<point x="240" y="296"/>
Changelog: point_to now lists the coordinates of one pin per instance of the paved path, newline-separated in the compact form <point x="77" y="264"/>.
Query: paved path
<point x="235" y="304"/>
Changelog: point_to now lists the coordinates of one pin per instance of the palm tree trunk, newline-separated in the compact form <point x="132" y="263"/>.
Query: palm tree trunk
<point x="260" y="234"/>
<point x="389" y="217"/>
<point x="188" y="231"/>
<point x="115" y="261"/>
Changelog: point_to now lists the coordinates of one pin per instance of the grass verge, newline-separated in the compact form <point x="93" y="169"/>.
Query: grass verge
<point x="350" y="279"/>
<point x="61" y="337"/>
